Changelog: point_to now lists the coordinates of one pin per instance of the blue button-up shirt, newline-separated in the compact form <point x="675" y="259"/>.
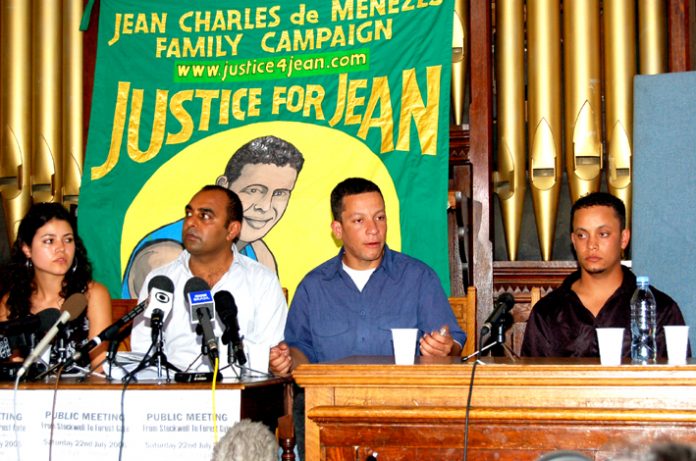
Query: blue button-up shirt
<point x="330" y="318"/>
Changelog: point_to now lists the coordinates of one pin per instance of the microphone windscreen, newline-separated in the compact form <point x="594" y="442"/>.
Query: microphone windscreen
<point x="161" y="296"/>
<point x="28" y="324"/>
<point x="195" y="284"/>
<point x="47" y="318"/>
<point x="225" y="305"/>
<point x="75" y="305"/>
<point x="161" y="282"/>
<point x="507" y="299"/>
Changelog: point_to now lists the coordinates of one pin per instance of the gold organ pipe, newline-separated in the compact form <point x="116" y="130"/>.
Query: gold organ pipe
<point x="652" y="36"/>
<point x="620" y="65"/>
<point x="460" y="58"/>
<point x="46" y="120"/>
<point x="583" y="110"/>
<point x="544" y="116"/>
<point x="73" y="151"/>
<point x="509" y="179"/>
<point x="15" y="99"/>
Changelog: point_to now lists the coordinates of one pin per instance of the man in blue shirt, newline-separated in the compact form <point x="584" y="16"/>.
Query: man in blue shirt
<point x="348" y="305"/>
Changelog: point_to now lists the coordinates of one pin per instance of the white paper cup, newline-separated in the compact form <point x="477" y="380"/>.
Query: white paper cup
<point x="404" y="340"/>
<point x="677" y="337"/>
<point x="610" y="345"/>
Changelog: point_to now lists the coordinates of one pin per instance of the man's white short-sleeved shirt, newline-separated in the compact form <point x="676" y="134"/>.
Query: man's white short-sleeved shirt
<point x="261" y="312"/>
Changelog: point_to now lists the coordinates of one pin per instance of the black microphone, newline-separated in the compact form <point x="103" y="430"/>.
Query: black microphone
<point x="226" y="309"/>
<point x="201" y="302"/>
<point x="73" y="306"/>
<point x="33" y="323"/>
<point x="16" y="333"/>
<point x="158" y="283"/>
<point x="37" y="324"/>
<point x="156" y="320"/>
<point x="502" y="306"/>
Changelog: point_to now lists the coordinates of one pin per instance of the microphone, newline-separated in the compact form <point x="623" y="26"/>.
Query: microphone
<point x="47" y="318"/>
<point x="161" y="296"/>
<point x="160" y="287"/>
<point x="38" y="323"/>
<point x="156" y="323"/>
<point x="13" y="333"/>
<point x="226" y="309"/>
<point x="200" y="300"/>
<point x="502" y="306"/>
<point x="72" y="308"/>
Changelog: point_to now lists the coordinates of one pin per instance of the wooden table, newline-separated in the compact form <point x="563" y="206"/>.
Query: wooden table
<point x="519" y="410"/>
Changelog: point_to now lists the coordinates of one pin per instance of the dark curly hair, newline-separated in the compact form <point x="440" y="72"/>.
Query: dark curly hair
<point x="268" y="150"/>
<point x="18" y="275"/>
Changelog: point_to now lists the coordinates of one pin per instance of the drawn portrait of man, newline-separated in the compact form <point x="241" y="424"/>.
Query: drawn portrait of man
<point x="263" y="173"/>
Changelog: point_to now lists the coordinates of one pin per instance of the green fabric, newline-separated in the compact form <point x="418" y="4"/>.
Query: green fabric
<point x="151" y="55"/>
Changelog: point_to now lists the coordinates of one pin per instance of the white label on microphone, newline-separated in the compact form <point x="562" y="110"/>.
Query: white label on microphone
<point x="159" y="299"/>
<point x="201" y="300"/>
<point x="197" y="298"/>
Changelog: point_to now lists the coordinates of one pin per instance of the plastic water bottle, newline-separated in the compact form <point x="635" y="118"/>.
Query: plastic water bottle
<point x="643" y="323"/>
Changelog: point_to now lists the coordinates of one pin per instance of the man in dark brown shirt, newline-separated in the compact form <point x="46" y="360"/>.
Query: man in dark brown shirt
<point x="563" y="323"/>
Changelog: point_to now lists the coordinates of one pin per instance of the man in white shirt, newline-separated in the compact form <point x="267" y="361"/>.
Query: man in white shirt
<point x="212" y="223"/>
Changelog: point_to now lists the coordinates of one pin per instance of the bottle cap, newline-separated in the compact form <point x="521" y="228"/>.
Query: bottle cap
<point x="642" y="279"/>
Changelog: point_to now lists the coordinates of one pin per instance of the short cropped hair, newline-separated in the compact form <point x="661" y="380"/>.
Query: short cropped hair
<point x="350" y="186"/>
<point x="600" y="199"/>
<point x="268" y="150"/>
<point x="235" y="212"/>
<point x="246" y="441"/>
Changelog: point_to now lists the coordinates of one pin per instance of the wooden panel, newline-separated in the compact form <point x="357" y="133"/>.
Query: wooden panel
<point x="678" y="24"/>
<point x="119" y="308"/>
<point x="527" y="281"/>
<point x="481" y="152"/>
<point x="520" y="409"/>
<point x="518" y="277"/>
<point x="465" y="311"/>
<point x="509" y="435"/>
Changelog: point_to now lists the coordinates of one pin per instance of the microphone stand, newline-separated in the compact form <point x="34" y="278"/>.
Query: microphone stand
<point x="61" y="349"/>
<point x="231" y="359"/>
<point x="61" y="356"/>
<point x="493" y="341"/>
<point x="112" y="352"/>
<point x="158" y="359"/>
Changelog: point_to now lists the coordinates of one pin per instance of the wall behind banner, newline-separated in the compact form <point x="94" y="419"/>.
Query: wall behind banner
<point x="663" y="239"/>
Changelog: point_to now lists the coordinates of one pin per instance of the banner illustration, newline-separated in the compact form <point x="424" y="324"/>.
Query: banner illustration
<point x="278" y="103"/>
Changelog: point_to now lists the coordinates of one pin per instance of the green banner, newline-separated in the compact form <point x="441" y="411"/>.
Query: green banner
<point x="359" y="88"/>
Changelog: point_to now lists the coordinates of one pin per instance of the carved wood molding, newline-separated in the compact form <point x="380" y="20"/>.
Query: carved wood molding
<point x="518" y="278"/>
<point x="521" y="276"/>
<point x="459" y="145"/>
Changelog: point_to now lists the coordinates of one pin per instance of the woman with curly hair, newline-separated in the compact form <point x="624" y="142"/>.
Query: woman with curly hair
<point x="48" y="263"/>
